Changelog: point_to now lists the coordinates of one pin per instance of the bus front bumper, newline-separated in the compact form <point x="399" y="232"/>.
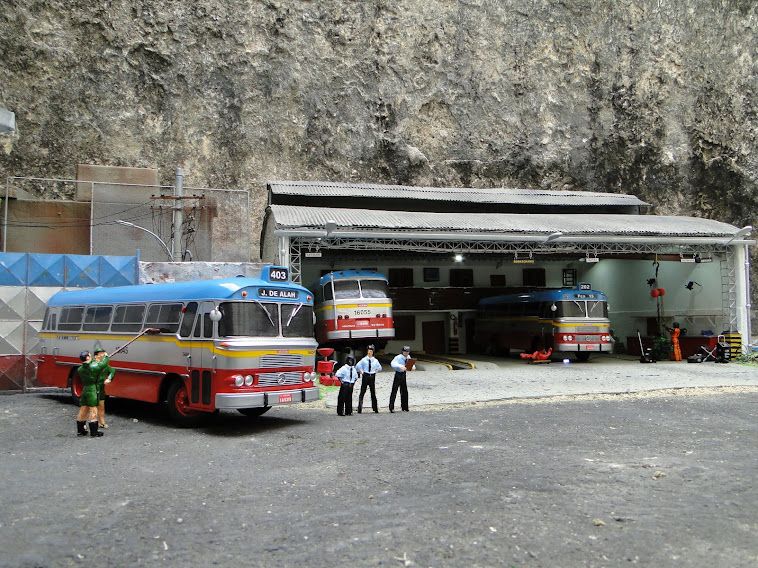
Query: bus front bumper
<point x="584" y="347"/>
<point x="261" y="399"/>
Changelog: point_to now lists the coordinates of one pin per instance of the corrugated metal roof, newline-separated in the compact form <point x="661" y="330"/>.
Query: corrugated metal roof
<point x="500" y="195"/>
<point x="291" y="217"/>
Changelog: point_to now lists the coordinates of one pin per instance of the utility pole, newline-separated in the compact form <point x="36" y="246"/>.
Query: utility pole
<point x="178" y="219"/>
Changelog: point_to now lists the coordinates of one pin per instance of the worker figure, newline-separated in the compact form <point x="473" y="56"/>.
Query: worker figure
<point x="367" y="368"/>
<point x="675" y="332"/>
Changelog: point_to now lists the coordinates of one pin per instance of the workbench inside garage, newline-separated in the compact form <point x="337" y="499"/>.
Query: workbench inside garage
<point x="689" y="344"/>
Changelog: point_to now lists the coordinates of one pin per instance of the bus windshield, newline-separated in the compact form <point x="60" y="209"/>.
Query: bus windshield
<point x="375" y="289"/>
<point x="582" y="309"/>
<point x="346" y="289"/>
<point x="248" y="319"/>
<point x="597" y="309"/>
<point x="297" y="320"/>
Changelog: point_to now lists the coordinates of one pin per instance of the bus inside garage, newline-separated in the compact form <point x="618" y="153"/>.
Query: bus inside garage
<point x="446" y="249"/>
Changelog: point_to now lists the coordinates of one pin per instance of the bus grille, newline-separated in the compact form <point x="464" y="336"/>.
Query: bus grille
<point x="276" y="361"/>
<point x="586" y="328"/>
<point x="277" y="379"/>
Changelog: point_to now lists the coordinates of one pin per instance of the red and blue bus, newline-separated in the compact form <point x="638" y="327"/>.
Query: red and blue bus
<point x="353" y="308"/>
<point x="237" y="343"/>
<point x="564" y="320"/>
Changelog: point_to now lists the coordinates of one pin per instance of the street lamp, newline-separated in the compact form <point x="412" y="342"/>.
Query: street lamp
<point x="743" y="232"/>
<point x="128" y="224"/>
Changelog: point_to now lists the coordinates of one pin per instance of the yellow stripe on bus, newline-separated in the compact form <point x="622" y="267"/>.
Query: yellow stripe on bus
<point x="187" y="344"/>
<point x="362" y="305"/>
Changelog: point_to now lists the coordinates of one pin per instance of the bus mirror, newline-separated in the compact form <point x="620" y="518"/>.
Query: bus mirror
<point x="215" y="314"/>
<point x="553" y="308"/>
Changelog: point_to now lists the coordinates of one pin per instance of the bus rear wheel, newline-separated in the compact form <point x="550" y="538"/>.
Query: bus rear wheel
<point x="254" y="412"/>
<point x="76" y="386"/>
<point x="179" y="409"/>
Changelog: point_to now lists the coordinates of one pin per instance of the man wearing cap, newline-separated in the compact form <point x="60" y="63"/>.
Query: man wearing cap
<point x="105" y="376"/>
<point x="367" y="369"/>
<point x="347" y="376"/>
<point x="399" y="364"/>
<point x="88" y="372"/>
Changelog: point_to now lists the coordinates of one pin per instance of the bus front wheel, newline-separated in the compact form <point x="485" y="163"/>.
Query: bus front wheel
<point x="254" y="412"/>
<point x="178" y="406"/>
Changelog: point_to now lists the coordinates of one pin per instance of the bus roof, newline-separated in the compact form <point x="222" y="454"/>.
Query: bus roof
<point x="345" y="274"/>
<point x="545" y="296"/>
<point x="220" y="289"/>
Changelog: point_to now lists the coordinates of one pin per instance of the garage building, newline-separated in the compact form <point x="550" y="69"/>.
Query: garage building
<point x="443" y="249"/>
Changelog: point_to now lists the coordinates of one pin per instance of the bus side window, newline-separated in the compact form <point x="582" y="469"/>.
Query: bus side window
<point x="97" y="318"/>
<point x="128" y="318"/>
<point x="49" y="320"/>
<point x="203" y="326"/>
<point x="188" y="320"/>
<point x="545" y="311"/>
<point x="71" y="319"/>
<point x="328" y="292"/>
<point x="207" y="326"/>
<point x="165" y="317"/>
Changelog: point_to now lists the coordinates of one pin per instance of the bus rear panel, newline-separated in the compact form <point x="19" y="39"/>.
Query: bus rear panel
<point x="353" y="308"/>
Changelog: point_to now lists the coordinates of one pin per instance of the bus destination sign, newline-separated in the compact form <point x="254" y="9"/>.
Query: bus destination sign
<point x="584" y="296"/>
<point x="276" y="293"/>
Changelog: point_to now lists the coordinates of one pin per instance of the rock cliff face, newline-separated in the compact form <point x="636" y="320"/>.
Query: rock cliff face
<point x="651" y="97"/>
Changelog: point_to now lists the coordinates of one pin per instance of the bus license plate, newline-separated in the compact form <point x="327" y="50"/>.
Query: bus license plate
<point x="589" y="347"/>
<point x="285" y="398"/>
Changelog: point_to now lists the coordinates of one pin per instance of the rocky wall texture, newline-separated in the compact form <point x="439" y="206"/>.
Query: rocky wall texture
<point x="655" y="98"/>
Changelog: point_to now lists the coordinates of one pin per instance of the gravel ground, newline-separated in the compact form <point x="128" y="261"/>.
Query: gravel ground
<point x="506" y="379"/>
<point x="604" y="464"/>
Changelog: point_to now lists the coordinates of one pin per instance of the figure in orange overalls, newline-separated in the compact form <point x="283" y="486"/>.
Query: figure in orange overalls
<point x="675" y="331"/>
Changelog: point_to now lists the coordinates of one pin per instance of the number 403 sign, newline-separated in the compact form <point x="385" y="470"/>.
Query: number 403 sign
<point x="278" y="274"/>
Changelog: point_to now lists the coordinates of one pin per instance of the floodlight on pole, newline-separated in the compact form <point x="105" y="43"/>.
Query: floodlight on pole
<point x="128" y="224"/>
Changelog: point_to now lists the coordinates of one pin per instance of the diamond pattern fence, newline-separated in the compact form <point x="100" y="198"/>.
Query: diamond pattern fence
<point x="27" y="281"/>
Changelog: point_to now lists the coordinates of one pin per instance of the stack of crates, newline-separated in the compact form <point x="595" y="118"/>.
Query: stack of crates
<point x="735" y="343"/>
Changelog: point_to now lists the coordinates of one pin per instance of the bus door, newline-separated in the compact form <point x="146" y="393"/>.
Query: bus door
<point x="197" y="329"/>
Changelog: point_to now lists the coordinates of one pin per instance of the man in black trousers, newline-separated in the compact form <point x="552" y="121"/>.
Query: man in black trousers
<point x="399" y="364"/>
<point x="367" y="368"/>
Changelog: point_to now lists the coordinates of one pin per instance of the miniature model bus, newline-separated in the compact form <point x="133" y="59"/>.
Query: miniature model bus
<point x="353" y="308"/>
<point x="237" y="343"/>
<point x="564" y="320"/>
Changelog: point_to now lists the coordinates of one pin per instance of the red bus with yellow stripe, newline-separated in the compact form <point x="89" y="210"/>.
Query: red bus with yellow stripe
<point x="238" y="343"/>
<point x="353" y="308"/>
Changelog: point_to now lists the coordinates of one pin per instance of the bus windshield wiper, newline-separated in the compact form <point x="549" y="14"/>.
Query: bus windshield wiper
<point x="265" y="311"/>
<point x="294" y="313"/>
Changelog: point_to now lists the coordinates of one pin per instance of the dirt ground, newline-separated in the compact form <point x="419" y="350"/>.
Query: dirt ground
<point x="656" y="480"/>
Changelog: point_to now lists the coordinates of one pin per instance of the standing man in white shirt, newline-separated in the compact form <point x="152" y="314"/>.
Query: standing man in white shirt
<point x="399" y="364"/>
<point x="347" y="375"/>
<point x="367" y="369"/>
